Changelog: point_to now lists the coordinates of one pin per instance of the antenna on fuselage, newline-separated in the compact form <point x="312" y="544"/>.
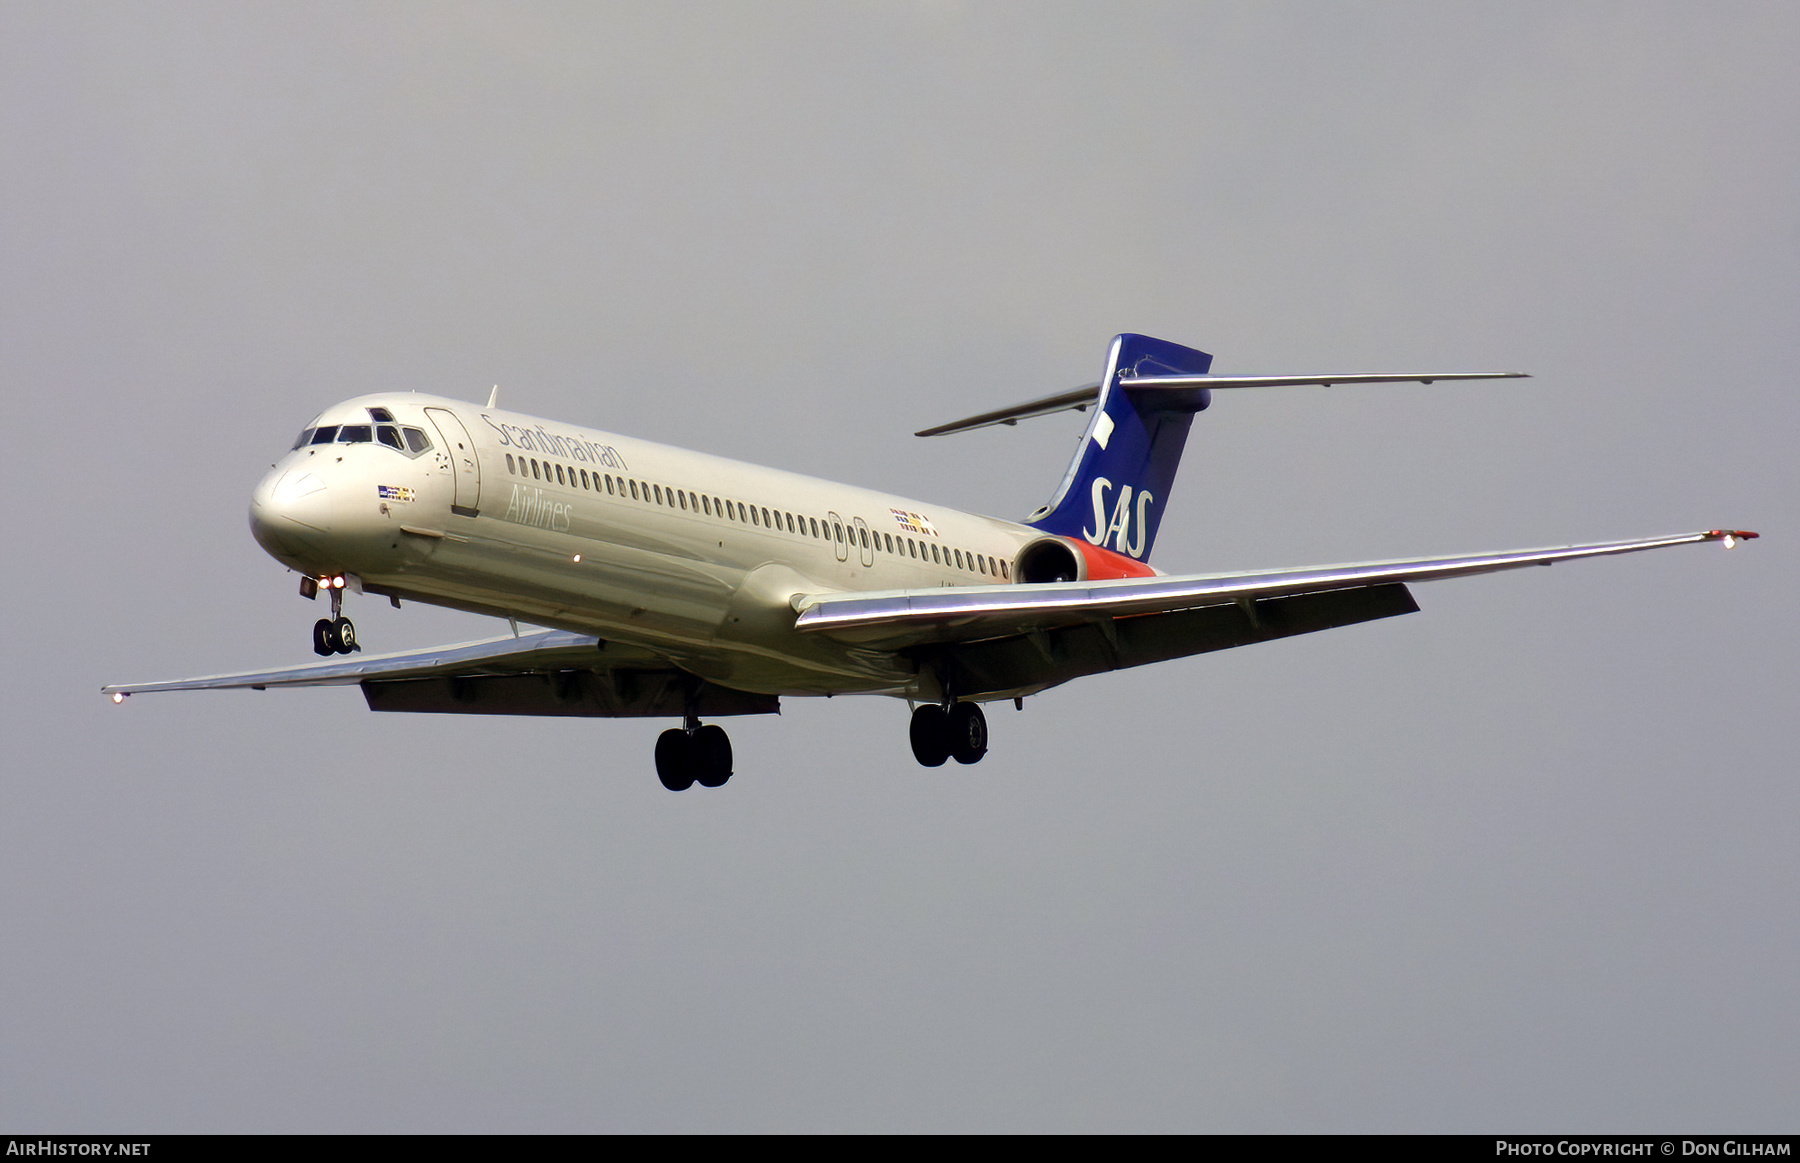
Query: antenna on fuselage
<point x="494" y="397"/>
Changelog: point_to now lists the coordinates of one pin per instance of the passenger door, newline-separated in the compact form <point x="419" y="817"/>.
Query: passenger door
<point x="464" y="466"/>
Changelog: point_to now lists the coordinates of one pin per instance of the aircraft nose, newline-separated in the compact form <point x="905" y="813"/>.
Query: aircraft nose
<point x="288" y="508"/>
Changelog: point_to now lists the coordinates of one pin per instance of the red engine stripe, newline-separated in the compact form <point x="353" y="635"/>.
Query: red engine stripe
<point x="1105" y="563"/>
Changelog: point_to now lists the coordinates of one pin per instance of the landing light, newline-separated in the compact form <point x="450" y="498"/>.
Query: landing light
<point x="578" y="559"/>
<point x="1730" y="541"/>
<point x="337" y="583"/>
<point x="118" y="696"/>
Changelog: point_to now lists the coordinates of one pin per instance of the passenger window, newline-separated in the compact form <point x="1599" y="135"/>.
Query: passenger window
<point x="509" y="465"/>
<point x="584" y="480"/>
<point x="838" y="530"/>
<point x="815" y="525"/>
<point x="753" y="519"/>
<point x="658" y="490"/>
<point x="1003" y="569"/>
<point x="956" y="554"/>
<point x="534" y="468"/>
<point x="765" y="515"/>
<point x="559" y="476"/>
<point x="609" y="487"/>
<point x="681" y="495"/>
<point x="890" y="541"/>
<point x="416" y="440"/>
<point x="790" y="522"/>
<point x="324" y="435"/>
<point x="912" y="547"/>
<point x="355" y="434"/>
<point x="634" y="493"/>
<point x="864" y="534"/>
<point x="934" y="556"/>
<point x="705" y="504"/>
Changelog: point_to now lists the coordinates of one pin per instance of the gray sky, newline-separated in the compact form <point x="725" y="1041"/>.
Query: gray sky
<point x="1525" y="860"/>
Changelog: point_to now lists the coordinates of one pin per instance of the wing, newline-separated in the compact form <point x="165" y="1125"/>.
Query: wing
<point x="550" y="649"/>
<point x="899" y="618"/>
<point x="553" y="672"/>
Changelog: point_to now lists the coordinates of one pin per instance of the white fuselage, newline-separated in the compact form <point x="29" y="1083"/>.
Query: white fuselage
<point x="682" y="556"/>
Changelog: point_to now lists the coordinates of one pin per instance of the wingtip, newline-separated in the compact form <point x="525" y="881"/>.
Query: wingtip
<point x="1731" y="536"/>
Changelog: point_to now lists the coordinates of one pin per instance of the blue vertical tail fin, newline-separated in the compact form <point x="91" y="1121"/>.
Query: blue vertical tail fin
<point x="1114" y="492"/>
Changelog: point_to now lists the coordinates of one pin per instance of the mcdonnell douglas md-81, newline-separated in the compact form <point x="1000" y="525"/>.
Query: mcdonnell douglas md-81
<point x="689" y="586"/>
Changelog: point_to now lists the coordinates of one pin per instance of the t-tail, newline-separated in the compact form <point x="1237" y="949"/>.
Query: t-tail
<point x="1113" y="495"/>
<point x="1114" y="492"/>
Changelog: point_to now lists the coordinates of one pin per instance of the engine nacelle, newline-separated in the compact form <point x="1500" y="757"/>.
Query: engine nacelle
<point x="1052" y="559"/>
<point x="1065" y="559"/>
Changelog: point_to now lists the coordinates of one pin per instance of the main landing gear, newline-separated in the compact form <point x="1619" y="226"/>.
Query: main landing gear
<point x="959" y="733"/>
<point x="692" y="754"/>
<point x="336" y="634"/>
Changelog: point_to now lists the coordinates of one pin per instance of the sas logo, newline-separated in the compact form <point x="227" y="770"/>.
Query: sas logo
<point x="1118" y="528"/>
<point x="395" y="493"/>
<point x="913" y="522"/>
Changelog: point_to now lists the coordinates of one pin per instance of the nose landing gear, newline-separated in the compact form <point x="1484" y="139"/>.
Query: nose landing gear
<point x="336" y="634"/>
<point x="693" y="754"/>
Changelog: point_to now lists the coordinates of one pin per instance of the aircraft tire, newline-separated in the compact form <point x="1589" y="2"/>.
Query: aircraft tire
<point x="675" y="759"/>
<point x="323" y="642"/>
<point x="711" y="748"/>
<point x="343" y="634"/>
<point x="968" y="733"/>
<point x="930" y="735"/>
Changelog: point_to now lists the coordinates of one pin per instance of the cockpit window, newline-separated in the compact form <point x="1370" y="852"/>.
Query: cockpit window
<point x="325" y="435"/>
<point x="305" y="436"/>
<point x="381" y="414"/>
<point x="388" y="435"/>
<point x="355" y="434"/>
<point x="416" y="440"/>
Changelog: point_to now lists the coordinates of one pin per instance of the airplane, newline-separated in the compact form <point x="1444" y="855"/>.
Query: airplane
<point x="671" y="583"/>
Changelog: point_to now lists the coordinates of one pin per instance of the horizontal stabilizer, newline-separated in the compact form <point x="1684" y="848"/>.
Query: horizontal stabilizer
<point x="1082" y="398"/>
